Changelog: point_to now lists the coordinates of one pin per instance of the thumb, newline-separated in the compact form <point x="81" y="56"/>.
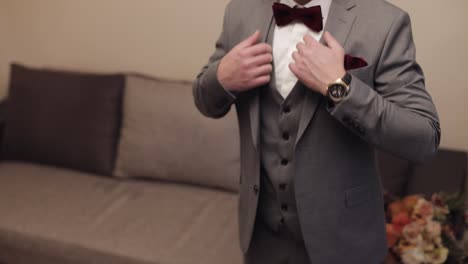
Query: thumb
<point x="251" y="40"/>
<point x="331" y="42"/>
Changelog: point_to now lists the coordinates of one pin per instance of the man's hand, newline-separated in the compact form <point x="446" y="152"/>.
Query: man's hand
<point x="246" y="66"/>
<point x="316" y="65"/>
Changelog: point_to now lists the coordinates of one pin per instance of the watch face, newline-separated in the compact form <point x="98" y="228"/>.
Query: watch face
<point x="337" y="91"/>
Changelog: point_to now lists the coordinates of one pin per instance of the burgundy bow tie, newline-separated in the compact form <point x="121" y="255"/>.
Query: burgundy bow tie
<point x="311" y="16"/>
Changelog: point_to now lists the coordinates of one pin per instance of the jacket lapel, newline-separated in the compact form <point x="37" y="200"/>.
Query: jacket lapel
<point x="266" y="28"/>
<point x="340" y="20"/>
<point x="339" y="23"/>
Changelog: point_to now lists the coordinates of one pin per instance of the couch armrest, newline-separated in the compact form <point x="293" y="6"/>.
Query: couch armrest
<point x="447" y="172"/>
<point x="2" y="121"/>
<point x="3" y="103"/>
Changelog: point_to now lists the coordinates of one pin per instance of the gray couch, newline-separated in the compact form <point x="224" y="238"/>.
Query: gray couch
<point x="122" y="168"/>
<point x="157" y="183"/>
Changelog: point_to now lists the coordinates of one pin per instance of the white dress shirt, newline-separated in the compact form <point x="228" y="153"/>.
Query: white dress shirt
<point x="285" y="40"/>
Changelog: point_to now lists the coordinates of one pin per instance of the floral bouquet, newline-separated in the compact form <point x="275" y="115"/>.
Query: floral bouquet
<point x="420" y="231"/>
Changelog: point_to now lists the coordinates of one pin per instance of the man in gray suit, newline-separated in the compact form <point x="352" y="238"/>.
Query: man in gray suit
<point x="318" y="86"/>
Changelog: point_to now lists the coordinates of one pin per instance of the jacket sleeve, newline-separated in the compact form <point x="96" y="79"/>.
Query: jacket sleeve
<point x="210" y="97"/>
<point x="398" y="115"/>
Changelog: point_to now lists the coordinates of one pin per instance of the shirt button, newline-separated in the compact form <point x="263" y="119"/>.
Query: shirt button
<point x="282" y="186"/>
<point x="284" y="162"/>
<point x="285" y="136"/>
<point x="282" y="221"/>
<point x="286" y="109"/>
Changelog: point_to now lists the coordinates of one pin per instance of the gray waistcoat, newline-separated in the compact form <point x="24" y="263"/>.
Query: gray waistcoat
<point x="279" y="120"/>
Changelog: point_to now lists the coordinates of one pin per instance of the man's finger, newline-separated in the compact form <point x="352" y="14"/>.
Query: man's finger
<point x="331" y="41"/>
<point x="293" y="67"/>
<point x="309" y="40"/>
<point x="262" y="59"/>
<point x="251" y="40"/>
<point x="295" y="56"/>
<point x="257" y="49"/>
<point x="262" y="70"/>
<point x="301" y="48"/>
<point x="261" y="80"/>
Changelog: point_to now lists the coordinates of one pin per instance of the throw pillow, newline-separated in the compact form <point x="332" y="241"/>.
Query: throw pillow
<point x="63" y="118"/>
<point x="165" y="137"/>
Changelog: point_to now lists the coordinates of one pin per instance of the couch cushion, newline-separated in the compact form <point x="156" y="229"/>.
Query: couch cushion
<point x="50" y="215"/>
<point x="165" y="137"/>
<point x="63" y="118"/>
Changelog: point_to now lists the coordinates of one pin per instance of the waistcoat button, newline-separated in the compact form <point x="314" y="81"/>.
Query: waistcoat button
<point x="282" y="221"/>
<point x="284" y="207"/>
<point x="282" y="186"/>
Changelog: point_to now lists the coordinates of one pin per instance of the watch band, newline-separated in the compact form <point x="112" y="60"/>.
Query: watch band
<point x="347" y="79"/>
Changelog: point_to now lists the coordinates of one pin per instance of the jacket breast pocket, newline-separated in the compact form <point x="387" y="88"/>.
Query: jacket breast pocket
<point x="357" y="195"/>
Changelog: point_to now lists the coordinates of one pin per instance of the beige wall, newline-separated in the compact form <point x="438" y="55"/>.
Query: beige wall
<point x="4" y="47"/>
<point x="441" y="36"/>
<point x="160" y="38"/>
<point x="151" y="36"/>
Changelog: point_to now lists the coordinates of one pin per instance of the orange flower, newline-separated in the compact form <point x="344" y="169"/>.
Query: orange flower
<point x="395" y="208"/>
<point x="401" y="218"/>
<point x="392" y="235"/>
<point x="410" y="201"/>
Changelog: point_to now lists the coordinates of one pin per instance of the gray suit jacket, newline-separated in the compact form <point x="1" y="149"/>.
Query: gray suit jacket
<point x="338" y="191"/>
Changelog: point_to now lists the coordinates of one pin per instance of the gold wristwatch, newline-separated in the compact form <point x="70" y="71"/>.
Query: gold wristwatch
<point x="337" y="90"/>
